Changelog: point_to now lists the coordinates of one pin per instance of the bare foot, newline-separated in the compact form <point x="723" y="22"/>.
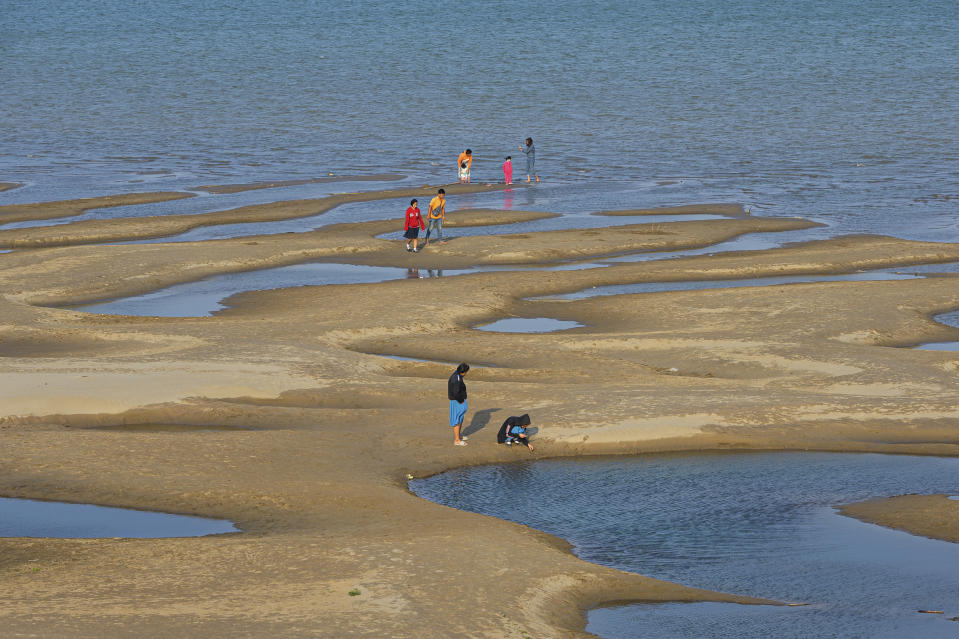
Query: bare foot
<point x="537" y="178"/>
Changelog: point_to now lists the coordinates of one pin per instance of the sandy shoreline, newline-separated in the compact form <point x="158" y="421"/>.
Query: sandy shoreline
<point x="934" y="516"/>
<point x="319" y="488"/>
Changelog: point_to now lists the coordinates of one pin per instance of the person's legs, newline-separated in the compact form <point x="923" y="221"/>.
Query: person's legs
<point x="457" y="414"/>
<point x="429" y="229"/>
<point x="439" y="229"/>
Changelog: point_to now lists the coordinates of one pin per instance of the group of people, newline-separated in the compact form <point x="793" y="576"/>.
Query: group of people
<point x="513" y="430"/>
<point x="436" y="212"/>
<point x="464" y="163"/>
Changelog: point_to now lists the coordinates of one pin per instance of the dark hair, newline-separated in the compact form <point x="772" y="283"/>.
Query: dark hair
<point x="443" y="191"/>
<point x="469" y="151"/>
<point x="524" y="419"/>
<point x="462" y="368"/>
<point x="509" y="157"/>
<point x="529" y="141"/>
<point x="413" y="201"/>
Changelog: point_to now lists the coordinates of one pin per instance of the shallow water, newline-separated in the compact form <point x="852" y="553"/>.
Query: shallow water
<point x="949" y="319"/>
<point x="754" y="523"/>
<point x="843" y="110"/>
<point x="529" y="325"/>
<point x="697" y="285"/>
<point x="203" y="297"/>
<point x="29" y="518"/>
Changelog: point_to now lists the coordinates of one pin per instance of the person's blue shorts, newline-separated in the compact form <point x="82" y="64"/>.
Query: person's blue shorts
<point x="457" y="412"/>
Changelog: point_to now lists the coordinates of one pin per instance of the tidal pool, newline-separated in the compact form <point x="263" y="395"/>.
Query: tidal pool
<point x="30" y="518"/>
<point x="949" y="319"/>
<point x="758" y="524"/>
<point x="529" y="325"/>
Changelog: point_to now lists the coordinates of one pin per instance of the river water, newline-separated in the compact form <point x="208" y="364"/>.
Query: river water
<point x="842" y="109"/>
<point x="759" y="524"/>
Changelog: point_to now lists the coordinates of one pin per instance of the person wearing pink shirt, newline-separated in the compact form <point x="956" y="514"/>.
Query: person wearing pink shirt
<point x="508" y="169"/>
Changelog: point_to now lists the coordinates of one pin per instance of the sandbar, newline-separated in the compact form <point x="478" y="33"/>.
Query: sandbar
<point x="935" y="516"/>
<point x="254" y="186"/>
<point x="313" y="433"/>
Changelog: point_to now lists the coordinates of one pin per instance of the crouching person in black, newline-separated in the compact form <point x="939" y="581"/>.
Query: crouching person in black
<point x="513" y="430"/>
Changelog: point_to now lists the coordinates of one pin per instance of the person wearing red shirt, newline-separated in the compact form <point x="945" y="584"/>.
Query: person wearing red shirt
<point x="414" y="223"/>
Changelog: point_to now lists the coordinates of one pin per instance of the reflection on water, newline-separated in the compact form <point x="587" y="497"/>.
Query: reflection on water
<point x="29" y="518"/>
<point x="758" y="524"/>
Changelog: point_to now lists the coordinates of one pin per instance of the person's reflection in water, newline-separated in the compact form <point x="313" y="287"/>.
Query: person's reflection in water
<point x="437" y="273"/>
<point x="507" y="199"/>
<point x="530" y="197"/>
<point x="412" y="273"/>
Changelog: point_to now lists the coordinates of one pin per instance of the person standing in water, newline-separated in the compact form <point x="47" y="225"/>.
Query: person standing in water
<point x="456" y="390"/>
<point x="465" y="156"/>
<point x="530" y="152"/>
<point x="508" y="169"/>
<point x="435" y="215"/>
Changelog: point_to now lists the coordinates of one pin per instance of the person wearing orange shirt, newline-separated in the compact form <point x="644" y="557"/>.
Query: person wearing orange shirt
<point x="435" y="214"/>
<point x="465" y="156"/>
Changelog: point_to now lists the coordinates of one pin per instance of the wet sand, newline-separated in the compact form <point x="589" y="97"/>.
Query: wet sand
<point x="325" y="434"/>
<point x="934" y="516"/>
<point x="732" y="210"/>
<point x="255" y="186"/>
<point x="7" y="186"/>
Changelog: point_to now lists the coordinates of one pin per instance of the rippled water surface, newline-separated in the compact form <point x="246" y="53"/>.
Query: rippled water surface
<point x="845" y="110"/>
<point x="755" y="523"/>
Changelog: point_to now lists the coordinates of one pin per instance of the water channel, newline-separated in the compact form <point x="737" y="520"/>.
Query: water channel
<point x="759" y="524"/>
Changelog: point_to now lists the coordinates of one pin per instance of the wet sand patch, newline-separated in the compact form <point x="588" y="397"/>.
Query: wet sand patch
<point x="253" y="186"/>
<point x="729" y="210"/>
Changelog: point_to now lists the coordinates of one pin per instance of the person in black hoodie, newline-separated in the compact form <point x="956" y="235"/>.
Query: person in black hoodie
<point x="513" y="430"/>
<point x="457" y="394"/>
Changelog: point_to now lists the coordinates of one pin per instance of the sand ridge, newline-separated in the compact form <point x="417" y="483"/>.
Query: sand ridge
<point x="934" y="516"/>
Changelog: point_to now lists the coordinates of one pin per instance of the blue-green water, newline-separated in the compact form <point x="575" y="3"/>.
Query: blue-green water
<point x="843" y="109"/>
<point x="759" y="524"/>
